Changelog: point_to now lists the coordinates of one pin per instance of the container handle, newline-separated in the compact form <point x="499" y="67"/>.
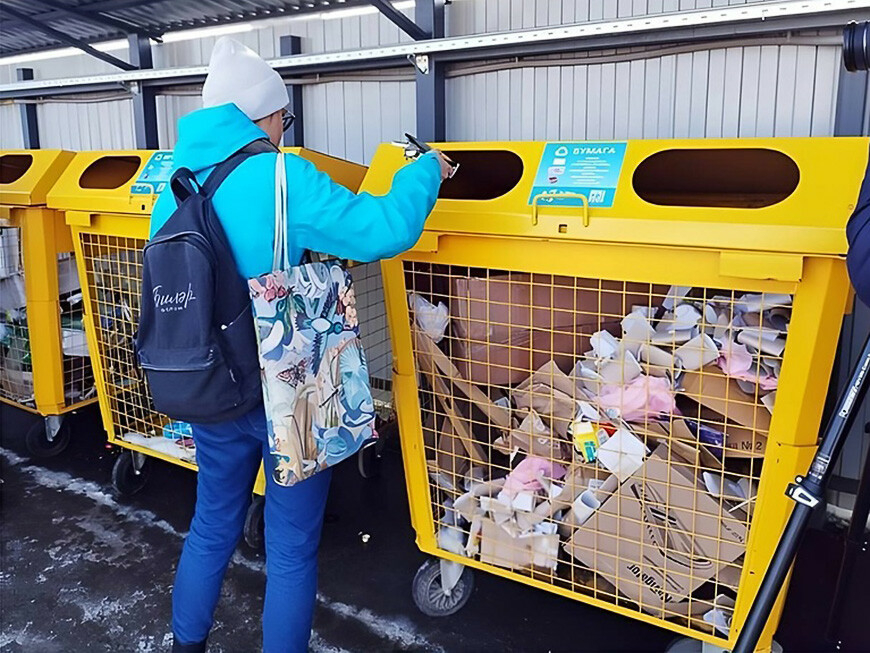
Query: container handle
<point x="561" y="195"/>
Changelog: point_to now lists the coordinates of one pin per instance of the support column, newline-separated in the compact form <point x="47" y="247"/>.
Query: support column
<point x="295" y="136"/>
<point x="144" y="97"/>
<point x="29" y="122"/>
<point x="431" y="124"/>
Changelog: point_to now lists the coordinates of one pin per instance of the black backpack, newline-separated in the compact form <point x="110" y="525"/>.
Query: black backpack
<point x="196" y="339"/>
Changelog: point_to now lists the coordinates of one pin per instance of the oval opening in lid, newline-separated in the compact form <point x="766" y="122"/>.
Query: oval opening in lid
<point x="747" y="178"/>
<point x="109" y="172"/>
<point x="13" y="167"/>
<point x="482" y="174"/>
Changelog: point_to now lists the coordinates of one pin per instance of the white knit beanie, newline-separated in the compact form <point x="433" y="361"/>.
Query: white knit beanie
<point x="239" y="75"/>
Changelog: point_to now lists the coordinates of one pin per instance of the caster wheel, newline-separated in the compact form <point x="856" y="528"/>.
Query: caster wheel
<point x="126" y="480"/>
<point x="39" y="446"/>
<point x="430" y="597"/>
<point x="369" y="458"/>
<point x="254" y="524"/>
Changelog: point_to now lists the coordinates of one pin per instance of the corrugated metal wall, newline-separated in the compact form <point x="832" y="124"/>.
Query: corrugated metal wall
<point x="10" y="128"/>
<point x="477" y="16"/>
<point x="349" y="118"/>
<point x="740" y="91"/>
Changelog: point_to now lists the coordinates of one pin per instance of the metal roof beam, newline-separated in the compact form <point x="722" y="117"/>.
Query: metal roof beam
<point x="66" y="38"/>
<point x="404" y="23"/>
<point x="103" y="6"/>
<point x="84" y="13"/>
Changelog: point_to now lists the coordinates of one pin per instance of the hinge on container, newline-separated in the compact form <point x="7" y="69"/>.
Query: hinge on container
<point x="761" y="265"/>
<point x="79" y="218"/>
<point x="428" y="242"/>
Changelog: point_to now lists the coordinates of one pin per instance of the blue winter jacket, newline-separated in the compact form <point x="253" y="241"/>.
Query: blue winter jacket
<point x="322" y="215"/>
<point x="858" y="233"/>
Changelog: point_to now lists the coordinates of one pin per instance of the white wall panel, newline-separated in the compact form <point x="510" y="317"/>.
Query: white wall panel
<point x="350" y="119"/>
<point x="11" y="136"/>
<point x="733" y="92"/>
<point x="478" y="16"/>
<point x="91" y="126"/>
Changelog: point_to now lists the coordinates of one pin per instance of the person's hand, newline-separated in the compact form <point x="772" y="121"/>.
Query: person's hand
<point x="445" y="163"/>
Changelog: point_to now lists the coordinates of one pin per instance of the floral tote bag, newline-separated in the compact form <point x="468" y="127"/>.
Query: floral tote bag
<point x="319" y="406"/>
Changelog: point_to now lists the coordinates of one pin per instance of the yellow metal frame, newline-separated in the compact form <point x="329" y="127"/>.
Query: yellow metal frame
<point x="117" y="212"/>
<point x="44" y="235"/>
<point x="795" y="246"/>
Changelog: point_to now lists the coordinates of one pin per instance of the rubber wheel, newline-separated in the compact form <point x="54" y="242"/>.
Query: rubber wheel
<point x="369" y="458"/>
<point x="125" y="479"/>
<point x="254" y="524"/>
<point x="431" y="599"/>
<point x="37" y="442"/>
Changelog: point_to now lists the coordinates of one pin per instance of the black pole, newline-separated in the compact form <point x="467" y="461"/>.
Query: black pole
<point x="144" y="97"/>
<point x="856" y="541"/>
<point x="431" y="124"/>
<point x="295" y="136"/>
<point x="807" y="492"/>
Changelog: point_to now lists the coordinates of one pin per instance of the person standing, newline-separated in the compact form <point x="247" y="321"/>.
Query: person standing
<point x="245" y="100"/>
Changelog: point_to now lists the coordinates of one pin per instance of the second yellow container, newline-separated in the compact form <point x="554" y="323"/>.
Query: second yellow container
<point x="106" y="198"/>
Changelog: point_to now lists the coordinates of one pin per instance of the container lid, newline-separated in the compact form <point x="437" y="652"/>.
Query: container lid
<point x="129" y="182"/>
<point x="116" y="181"/>
<point x="764" y="194"/>
<point x="27" y="175"/>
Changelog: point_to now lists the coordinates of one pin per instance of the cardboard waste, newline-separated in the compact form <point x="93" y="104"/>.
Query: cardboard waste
<point x="660" y="536"/>
<point x="573" y="430"/>
<point x="504" y="325"/>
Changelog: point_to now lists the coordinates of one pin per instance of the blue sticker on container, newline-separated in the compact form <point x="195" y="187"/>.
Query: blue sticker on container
<point x="155" y="175"/>
<point x="590" y="169"/>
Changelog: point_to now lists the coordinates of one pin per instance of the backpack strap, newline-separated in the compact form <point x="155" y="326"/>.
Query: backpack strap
<point x="223" y="169"/>
<point x="183" y="184"/>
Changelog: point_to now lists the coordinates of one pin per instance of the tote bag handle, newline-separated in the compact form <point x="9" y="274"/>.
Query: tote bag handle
<point x="280" y="254"/>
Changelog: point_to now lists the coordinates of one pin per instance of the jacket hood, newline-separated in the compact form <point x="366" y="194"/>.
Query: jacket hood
<point x="208" y="136"/>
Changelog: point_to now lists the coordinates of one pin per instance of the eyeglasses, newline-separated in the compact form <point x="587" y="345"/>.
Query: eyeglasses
<point x="287" y="119"/>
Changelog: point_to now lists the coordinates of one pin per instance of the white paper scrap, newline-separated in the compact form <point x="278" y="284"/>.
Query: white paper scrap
<point x="622" y="454"/>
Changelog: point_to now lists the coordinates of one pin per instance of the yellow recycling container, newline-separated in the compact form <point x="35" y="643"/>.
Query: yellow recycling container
<point x="107" y="199"/>
<point x="44" y="364"/>
<point x="609" y="361"/>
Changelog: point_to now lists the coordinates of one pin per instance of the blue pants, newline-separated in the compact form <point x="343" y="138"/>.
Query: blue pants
<point x="228" y="455"/>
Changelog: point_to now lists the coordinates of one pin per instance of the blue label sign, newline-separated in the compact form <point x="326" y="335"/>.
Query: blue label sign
<point x="590" y="169"/>
<point x="155" y="175"/>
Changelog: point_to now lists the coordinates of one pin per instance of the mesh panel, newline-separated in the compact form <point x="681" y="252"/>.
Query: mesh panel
<point x="16" y="365"/>
<point x="78" y="375"/>
<point x="375" y="335"/>
<point x="602" y="436"/>
<point x="114" y="268"/>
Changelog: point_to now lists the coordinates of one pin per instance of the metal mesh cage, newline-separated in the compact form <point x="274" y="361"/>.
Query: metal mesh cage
<point x="603" y="437"/>
<point x="17" y="360"/>
<point x="114" y="269"/>
<point x="375" y="335"/>
<point x="16" y="363"/>
<point x="78" y="375"/>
